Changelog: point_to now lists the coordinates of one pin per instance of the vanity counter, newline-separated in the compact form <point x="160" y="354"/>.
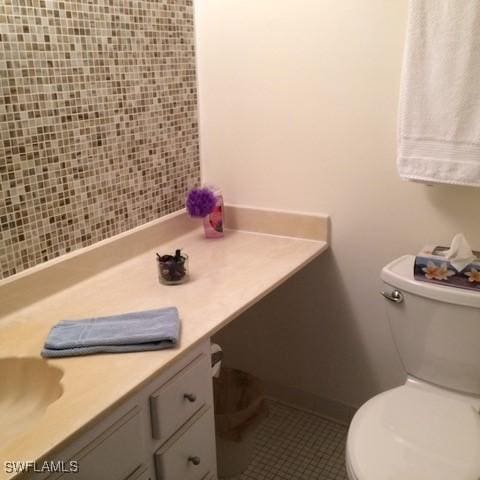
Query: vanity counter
<point x="226" y="277"/>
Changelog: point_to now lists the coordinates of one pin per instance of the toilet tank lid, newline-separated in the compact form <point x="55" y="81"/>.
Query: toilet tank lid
<point x="399" y="274"/>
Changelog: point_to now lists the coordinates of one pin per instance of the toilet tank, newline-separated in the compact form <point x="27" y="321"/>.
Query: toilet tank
<point x="436" y="329"/>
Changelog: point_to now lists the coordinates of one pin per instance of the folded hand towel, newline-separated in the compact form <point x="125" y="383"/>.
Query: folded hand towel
<point x="130" y="332"/>
<point x="439" y="131"/>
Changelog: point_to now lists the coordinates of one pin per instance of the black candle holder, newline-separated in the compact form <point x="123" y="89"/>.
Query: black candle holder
<point x="173" y="269"/>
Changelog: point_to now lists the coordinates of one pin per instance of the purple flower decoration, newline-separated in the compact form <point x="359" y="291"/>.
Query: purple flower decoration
<point x="200" y="202"/>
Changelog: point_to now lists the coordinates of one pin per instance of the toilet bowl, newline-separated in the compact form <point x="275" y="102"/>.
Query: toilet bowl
<point x="428" y="428"/>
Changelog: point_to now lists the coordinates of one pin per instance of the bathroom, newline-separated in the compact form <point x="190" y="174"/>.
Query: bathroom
<point x="112" y="111"/>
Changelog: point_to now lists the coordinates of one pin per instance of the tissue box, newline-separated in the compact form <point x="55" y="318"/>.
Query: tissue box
<point x="432" y="266"/>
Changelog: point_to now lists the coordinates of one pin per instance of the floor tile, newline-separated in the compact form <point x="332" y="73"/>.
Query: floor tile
<point x="292" y="444"/>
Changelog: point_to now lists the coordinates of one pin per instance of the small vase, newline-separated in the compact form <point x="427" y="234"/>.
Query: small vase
<point x="213" y="223"/>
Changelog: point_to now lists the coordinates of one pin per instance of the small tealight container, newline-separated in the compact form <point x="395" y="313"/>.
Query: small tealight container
<point x="173" y="269"/>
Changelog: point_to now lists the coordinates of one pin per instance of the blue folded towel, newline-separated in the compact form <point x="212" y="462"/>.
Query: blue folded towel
<point x="130" y="332"/>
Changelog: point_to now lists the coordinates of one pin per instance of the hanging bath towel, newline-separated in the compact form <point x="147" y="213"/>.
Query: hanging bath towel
<point x="439" y="131"/>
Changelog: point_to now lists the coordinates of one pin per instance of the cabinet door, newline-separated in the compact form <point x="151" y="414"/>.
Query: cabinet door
<point x="191" y="456"/>
<point x="180" y="398"/>
<point x="114" y="454"/>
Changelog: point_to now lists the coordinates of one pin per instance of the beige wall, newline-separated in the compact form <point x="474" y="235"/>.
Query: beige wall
<point x="298" y="103"/>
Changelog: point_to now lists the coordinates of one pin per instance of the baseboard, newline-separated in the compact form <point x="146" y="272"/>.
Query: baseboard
<point x="331" y="409"/>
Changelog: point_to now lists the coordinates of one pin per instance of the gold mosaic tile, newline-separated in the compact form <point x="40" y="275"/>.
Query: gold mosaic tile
<point x="98" y="121"/>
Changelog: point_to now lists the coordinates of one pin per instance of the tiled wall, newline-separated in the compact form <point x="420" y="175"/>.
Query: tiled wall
<point x="98" y="121"/>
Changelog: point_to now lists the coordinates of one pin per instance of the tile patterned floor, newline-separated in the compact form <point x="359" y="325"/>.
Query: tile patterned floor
<point x="292" y="444"/>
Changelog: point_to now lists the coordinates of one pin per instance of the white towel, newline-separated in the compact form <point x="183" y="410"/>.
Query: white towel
<point x="439" y="134"/>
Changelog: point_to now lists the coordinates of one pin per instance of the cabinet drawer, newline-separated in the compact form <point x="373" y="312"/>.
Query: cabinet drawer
<point x="178" y="399"/>
<point x="114" y="454"/>
<point x="177" y="459"/>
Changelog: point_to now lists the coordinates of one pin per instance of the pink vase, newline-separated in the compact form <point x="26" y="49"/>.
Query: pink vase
<point x="213" y="223"/>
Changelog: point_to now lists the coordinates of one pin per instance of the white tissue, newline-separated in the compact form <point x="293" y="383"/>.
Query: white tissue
<point x="459" y="254"/>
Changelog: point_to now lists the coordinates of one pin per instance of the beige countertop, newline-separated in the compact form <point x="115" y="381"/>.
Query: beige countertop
<point x="227" y="276"/>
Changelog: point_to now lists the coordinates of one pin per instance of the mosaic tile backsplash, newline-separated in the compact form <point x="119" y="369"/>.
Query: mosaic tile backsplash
<point x="98" y="121"/>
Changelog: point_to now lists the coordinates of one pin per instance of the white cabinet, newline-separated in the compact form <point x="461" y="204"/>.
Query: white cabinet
<point x="114" y="454"/>
<point x="180" y="397"/>
<point x="188" y="456"/>
<point x="164" y="431"/>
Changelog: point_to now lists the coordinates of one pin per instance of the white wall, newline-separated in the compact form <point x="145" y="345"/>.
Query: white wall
<point x="298" y="102"/>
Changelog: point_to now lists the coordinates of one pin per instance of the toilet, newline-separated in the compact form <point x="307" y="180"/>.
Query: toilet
<point x="429" y="428"/>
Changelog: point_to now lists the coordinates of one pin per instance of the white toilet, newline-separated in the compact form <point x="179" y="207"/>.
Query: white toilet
<point x="429" y="428"/>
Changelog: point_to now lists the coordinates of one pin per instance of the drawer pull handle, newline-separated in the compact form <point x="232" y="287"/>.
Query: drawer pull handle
<point x="191" y="397"/>
<point x="194" y="460"/>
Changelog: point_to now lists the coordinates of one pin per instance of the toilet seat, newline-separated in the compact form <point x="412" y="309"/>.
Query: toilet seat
<point x="415" y="432"/>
